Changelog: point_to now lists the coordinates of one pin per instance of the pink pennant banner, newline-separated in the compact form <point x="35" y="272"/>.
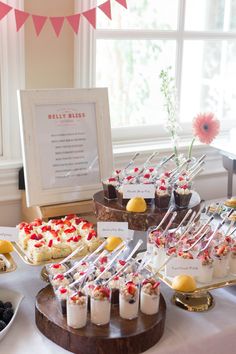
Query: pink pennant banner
<point x="74" y="21"/>
<point x="4" y="9"/>
<point x="91" y="16"/>
<point x="39" y="22"/>
<point x="20" y="17"/>
<point x="57" y="23"/>
<point x="122" y="2"/>
<point x="106" y="8"/>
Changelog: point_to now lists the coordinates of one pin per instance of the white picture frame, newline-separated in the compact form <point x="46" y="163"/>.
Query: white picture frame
<point x="66" y="143"/>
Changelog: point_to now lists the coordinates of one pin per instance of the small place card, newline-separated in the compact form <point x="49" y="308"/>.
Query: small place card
<point x="110" y="228"/>
<point x="138" y="190"/>
<point x="177" y="266"/>
<point x="8" y="233"/>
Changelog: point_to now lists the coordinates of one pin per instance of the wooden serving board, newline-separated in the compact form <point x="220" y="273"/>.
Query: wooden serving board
<point x="119" y="337"/>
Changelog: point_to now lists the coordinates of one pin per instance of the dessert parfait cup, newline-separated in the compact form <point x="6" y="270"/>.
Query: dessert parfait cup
<point x="221" y="261"/>
<point x="109" y="188"/>
<point x="77" y="310"/>
<point x="156" y="247"/>
<point x="129" y="301"/>
<point x="150" y="296"/>
<point x="182" y="195"/>
<point x="163" y="195"/>
<point x="232" y="260"/>
<point x="206" y="271"/>
<point x="100" y="303"/>
<point x="62" y="294"/>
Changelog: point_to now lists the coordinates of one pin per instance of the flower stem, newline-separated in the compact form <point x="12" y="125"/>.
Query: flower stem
<point x="191" y="148"/>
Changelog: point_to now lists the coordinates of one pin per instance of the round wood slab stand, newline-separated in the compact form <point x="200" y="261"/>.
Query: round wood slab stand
<point x="111" y="210"/>
<point x="119" y="337"/>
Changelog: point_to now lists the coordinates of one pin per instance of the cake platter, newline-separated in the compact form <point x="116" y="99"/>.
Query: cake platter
<point x="120" y="336"/>
<point x="200" y="299"/>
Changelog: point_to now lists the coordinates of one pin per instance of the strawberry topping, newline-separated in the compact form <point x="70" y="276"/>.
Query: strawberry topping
<point x="122" y="263"/>
<point x="56" y="266"/>
<point x="63" y="290"/>
<point x="50" y="243"/>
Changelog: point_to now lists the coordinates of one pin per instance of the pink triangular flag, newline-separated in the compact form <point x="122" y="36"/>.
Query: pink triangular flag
<point x="74" y="21"/>
<point x="122" y="2"/>
<point x="91" y="16"/>
<point x="39" y="22"/>
<point x="4" y="9"/>
<point x="106" y="8"/>
<point x="20" y="17"/>
<point x="57" y="23"/>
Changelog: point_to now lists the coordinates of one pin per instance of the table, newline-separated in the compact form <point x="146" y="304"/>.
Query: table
<point x="211" y="332"/>
<point x="228" y="152"/>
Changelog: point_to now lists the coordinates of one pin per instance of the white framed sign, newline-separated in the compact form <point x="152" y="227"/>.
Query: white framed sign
<point x="66" y="143"/>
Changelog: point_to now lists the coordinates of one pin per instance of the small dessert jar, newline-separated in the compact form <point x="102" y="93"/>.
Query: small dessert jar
<point x="56" y="268"/>
<point x="109" y="188"/>
<point x="206" y="268"/>
<point x="77" y="310"/>
<point x="182" y="195"/>
<point x="162" y="195"/>
<point x="232" y="260"/>
<point x="156" y="244"/>
<point x="62" y="294"/>
<point x="150" y="296"/>
<point x="129" y="301"/>
<point x="221" y="255"/>
<point x="100" y="304"/>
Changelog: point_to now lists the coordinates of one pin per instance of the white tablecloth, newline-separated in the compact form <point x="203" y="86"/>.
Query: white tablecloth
<point x="210" y="332"/>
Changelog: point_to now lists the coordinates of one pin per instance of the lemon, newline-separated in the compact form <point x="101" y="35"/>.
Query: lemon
<point x="136" y="205"/>
<point x="185" y="283"/>
<point x="113" y="242"/>
<point x="5" y="246"/>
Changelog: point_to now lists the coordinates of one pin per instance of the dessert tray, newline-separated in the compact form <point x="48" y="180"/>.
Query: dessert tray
<point x="200" y="299"/>
<point x="119" y="336"/>
<point x="11" y="264"/>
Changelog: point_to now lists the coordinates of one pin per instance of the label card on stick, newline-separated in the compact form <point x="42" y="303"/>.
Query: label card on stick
<point x="8" y="233"/>
<point x="110" y="228"/>
<point x="138" y="190"/>
<point x="178" y="266"/>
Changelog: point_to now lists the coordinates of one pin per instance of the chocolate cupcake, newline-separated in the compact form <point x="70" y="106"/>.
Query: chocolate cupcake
<point x="182" y="195"/>
<point x="162" y="197"/>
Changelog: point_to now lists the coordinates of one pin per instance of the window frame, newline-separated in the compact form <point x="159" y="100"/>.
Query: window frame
<point x="12" y="72"/>
<point x="85" y="68"/>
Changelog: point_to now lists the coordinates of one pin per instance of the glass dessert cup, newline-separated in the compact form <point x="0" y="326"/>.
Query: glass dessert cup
<point x="100" y="307"/>
<point x="109" y="190"/>
<point x="77" y="310"/>
<point x="129" y="303"/>
<point x="220" y="267"/>
<point x="149" y="298"/>
<point x="206" y="273"/>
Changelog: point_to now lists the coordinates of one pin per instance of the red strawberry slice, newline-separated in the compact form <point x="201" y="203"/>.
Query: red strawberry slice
<point x="69" y="231"/>
<point x="103" y="260"/>
<point x="59" y="276"/>
<point x="59" y="222"/>
<point x="131" y="288"/>
<point x="122" y="263"/>
<point x="74" y="298"/>
<point x="63" y="290"/>
<point x="118" y="172"/>
<point x="67" y="222"/>
<point x="50" y="243"/>
<point x="116" y="277"/>
<point x="37" y="222"/>
<point x="112" y="179"/>
<point x="79" y="220"/>
<point x="221" y="250"/>
<point x="128" y="178"/>
<point x="167" y="174"/>
<point x="145" y="281"/>
<point x="54" y="233"/>
<point x="162" y="188"/>
<point x="156" y="285"/>
<point x="56" y="266"/>
<point x="136" y="169"/>
<point x="59" y="239"/>
<point x="38" y="245"/>
<point x="46" y="228"/>
<point x="163" y="181"/>
<point x="81" y="273"/>
<point x="70" y="239"/>
<point x="87" y="225"/>
<point x="147" y="175"/>
<point x="102" y="269"/>
<point x="91" y="234"/>
<point x="105" y="292"/>
<point x="22" y="225"/>
<point x="151" y="169"/>
<point x="34" y="237"/>
<point x="185" y="186"/>
<point x="40" y="236"/>
<point x="181" y="178"/>
<point x="27" y="230"/>
<point x="77" y="238"/>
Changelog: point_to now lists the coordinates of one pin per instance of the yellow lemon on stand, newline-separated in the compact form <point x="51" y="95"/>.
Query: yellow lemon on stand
<point x="136" y="205"/>
<point x="113" y="242"/>
<point x="5" y="246"/>
<point x="184" y="283"/>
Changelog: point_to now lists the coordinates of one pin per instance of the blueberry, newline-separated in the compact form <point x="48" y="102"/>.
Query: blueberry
<point x="7" y="315"/>
<point x="2" y="325"/>
<point x="1" y="304"/>
<point x="131" y="301"/>
<point x="8" y="305"/>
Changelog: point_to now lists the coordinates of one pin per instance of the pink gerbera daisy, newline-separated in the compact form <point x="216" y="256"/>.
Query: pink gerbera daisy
<point x="206" y="127"/>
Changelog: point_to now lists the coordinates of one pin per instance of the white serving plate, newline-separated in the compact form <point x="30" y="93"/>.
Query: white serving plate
<point x="15" y="298"/>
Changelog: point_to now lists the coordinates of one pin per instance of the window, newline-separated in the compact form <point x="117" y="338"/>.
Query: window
<point x="196" y="38"/>
<point x="11" y="79"/>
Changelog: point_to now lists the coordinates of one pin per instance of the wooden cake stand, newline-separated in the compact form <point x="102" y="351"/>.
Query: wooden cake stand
<point x="111" y="210"/>
<point x="119" y="337"/>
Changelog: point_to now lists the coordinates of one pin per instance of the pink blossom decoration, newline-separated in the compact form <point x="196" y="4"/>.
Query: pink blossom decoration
<point x="206" y="127"/>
